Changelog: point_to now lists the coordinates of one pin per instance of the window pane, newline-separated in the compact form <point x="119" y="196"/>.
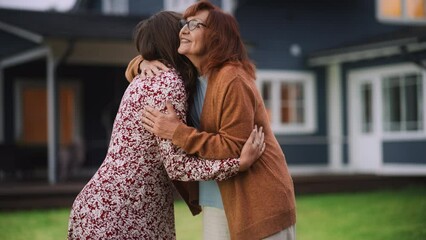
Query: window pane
<point x="366" y="108"/>
<point x="390" y="8"/>
<point x="285" y="103"/>
<point x="392" y="103"/>
<point x="395" y="104"/>
<point x="412" y="105"/>
<point x="292" y="103"/>
<point x="300" y="113"/>
<point x="416" y="8"/>
<point x="266" y="94"/>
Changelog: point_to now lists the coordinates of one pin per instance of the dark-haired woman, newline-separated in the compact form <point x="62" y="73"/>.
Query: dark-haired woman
<point x="130" y="196"/>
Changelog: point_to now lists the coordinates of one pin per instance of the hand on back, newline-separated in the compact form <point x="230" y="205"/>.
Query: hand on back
<point x="151" y="68"/>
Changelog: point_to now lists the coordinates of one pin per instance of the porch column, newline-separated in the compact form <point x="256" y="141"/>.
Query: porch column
<point x="334" y="116"/>
<point x="52" y="120"/>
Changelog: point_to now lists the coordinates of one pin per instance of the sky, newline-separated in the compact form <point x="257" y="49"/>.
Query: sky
<point x="39" y="5"/>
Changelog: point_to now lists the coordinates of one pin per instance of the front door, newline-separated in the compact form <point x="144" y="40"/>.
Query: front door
<point x="364" y="111"/>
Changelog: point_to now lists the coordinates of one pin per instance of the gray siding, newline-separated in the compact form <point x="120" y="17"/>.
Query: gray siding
<point x="316" y="154"/>
<point x="404" y="152"/>
<point x="271" y="27"/>
<point x="145" y="7"/>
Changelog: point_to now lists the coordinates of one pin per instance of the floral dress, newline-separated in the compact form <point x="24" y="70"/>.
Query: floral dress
<point x="131" y="196"/>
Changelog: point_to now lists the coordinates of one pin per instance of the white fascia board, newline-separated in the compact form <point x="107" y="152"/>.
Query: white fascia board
<point x="354" y="56"/>
<point x="34" y="37"/>
<point x="26" y="56"/>
<point x="368" y="52"/>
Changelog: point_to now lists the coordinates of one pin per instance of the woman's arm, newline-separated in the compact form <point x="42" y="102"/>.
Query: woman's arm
<point x="181" y="166"/>
<point x="133" y="68"/>
<point x="236" y="120"/>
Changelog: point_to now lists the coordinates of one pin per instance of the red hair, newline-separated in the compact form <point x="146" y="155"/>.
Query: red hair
<point x="222" y="40"/>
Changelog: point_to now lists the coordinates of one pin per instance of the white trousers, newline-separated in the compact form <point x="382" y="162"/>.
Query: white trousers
<point x="286" y="234"/>
<point x="215" y="227"/>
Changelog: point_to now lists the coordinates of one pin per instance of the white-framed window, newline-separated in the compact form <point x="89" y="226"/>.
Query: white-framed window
<point x="115" y="7"/>
<point x="289" y="98"/>
<point x="401" y="11"/>
<point x="177" y="5"/>
<point x="403" y="102"/>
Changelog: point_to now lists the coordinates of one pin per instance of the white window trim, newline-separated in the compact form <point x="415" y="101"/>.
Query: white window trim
<point x="404" y="19"/>
<point x="307" y="79"/>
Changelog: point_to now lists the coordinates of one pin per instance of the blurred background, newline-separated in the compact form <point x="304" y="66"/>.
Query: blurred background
<point x="343" y="82"/>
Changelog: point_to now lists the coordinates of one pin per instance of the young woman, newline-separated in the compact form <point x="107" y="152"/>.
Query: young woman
<point x="259" y="203"/>
<point x="130" y="196"/>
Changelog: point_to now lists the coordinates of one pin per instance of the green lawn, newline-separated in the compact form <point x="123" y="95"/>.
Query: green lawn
<point x="384" y="214"/>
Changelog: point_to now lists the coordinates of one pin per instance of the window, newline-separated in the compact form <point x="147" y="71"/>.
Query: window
<point x="401" y="11"/>
<point x="31" y="113"/>
<point x="403" y="103"/>
<point x="289" y="99"/>
<point x="115" y="7"/>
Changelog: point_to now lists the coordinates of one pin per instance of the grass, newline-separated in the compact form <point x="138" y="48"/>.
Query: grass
<point x="387" y="214"/>
<point x="376" y="215"/>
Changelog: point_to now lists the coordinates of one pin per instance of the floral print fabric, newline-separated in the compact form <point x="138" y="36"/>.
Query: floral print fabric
<point x="131" y="195"/>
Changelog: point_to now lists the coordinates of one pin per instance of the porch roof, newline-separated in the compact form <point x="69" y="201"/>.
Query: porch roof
<point x="70" y="24"/>
<point x="410" y="38"/>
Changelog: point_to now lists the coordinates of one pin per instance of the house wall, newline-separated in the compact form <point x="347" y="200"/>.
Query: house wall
<point x="145" y="7"/>
<point x="270" y="27"/>
<point x="404" y="152"/>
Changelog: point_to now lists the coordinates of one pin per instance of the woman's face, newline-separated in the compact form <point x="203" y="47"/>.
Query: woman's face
<point x="192" y="41"/>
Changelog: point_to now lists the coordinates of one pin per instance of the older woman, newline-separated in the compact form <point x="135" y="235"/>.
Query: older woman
<point x="130" y="196"/>
<point x="259" y="203"/>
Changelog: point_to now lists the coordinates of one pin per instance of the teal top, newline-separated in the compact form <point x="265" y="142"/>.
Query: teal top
<point x="209" y="191"/>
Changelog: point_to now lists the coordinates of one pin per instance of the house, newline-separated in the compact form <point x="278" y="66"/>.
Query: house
<point x="343" y="81"/>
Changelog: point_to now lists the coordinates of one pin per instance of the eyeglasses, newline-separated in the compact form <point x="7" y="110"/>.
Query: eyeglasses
<point x="192" y="24"/>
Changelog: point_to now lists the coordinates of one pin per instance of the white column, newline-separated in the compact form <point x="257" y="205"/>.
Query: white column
<point x="334" y="116"/>
<point x="52" y="120"/>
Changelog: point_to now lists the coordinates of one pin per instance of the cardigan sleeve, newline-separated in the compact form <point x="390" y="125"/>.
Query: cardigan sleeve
<point x="133" y="68"/>
<point x="234" y="119"/>
<point x="178" y="164"/>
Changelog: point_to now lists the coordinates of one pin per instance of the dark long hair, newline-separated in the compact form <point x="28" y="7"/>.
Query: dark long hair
<point x="157" y="38"/>
<point x="222" y="40"/>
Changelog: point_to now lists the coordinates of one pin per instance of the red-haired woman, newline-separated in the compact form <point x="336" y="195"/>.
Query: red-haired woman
<point x="259" y="203"/>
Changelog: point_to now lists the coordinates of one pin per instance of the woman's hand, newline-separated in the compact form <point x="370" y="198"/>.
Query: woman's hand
<point x="151" y="68"/>
<point x="162" y="125"/>
<point x="252" y="149"/>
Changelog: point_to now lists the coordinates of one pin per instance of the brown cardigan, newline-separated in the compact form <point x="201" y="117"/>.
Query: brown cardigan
<point x="260" y="201"/>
